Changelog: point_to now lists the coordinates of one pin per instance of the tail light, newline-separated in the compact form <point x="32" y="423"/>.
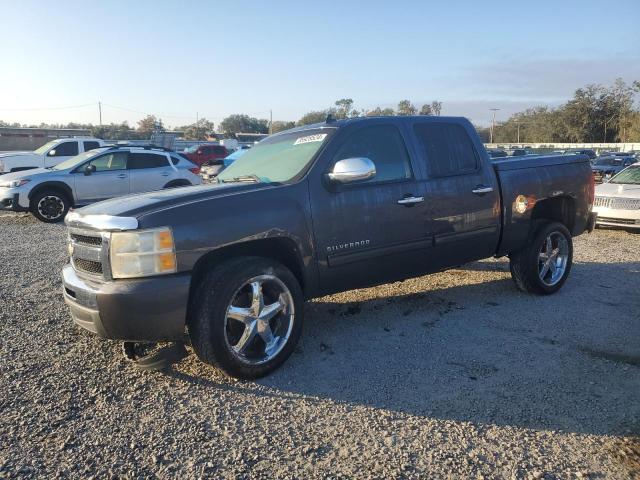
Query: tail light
<point x="591" y="193"/>
<point x="195" y="170"/>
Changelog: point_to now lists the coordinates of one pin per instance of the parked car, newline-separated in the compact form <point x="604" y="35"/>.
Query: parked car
<point x="206" y="154"/>
<point x="497" y="153"/>
<point x="582" y="151"/>
<point x="518" y="152"/>
<point x="48" y="155"/>
<point x="617" y="202"/>
<point x="606" y="167"/>
<point x="209" y="172"/>
<point x="313" y="211"/>
<point x="92" y="176"/>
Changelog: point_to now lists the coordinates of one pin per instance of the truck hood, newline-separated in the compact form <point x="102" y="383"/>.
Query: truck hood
<point x="145" y="203"/>
<point x="24" y="174"/>
<point x="618" y="190"/>
<point x="19" y="154"/>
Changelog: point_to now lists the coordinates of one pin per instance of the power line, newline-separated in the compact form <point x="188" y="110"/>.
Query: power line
<point x="47" y="108"/>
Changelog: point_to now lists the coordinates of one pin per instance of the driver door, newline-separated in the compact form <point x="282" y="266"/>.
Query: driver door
<point x="110" y="179"/>
<point x="62" y="151"/>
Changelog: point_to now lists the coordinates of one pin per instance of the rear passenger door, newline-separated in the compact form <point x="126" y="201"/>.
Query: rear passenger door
<point x="149" y="171"/>
<point x="461" y="193"/>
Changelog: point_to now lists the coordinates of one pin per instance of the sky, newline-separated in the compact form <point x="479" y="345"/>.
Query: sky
<point x="179" y="60"/>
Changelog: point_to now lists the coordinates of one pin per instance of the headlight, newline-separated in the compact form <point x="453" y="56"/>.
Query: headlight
<point x="14" y="183"/>
<point x="142" y="253"/>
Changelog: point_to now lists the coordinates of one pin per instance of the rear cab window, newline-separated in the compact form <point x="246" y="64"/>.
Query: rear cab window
<point x="90" y="145"/>
<point x="447" y="148"/>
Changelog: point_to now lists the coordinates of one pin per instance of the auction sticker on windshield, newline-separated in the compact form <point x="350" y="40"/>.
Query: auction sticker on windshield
<point x="310" y="138"/>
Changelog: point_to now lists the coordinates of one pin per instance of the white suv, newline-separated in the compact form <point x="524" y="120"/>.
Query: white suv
<point x="92" y="176"/>
<point x="48" y="155"/>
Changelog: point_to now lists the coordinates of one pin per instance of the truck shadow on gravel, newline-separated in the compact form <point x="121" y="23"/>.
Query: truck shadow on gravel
<point x="477" y="352"/>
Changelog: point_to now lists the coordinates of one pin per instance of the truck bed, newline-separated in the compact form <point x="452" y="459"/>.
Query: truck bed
<point x="518" y="163"/>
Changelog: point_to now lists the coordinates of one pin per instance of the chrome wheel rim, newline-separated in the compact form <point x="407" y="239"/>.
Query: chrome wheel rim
<point x="259" y="319"/>
<point x="553" y="258"/>
<point x="51" y="207"/>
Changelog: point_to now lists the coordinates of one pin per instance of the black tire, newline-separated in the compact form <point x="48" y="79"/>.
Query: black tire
<point x="208" y="324"/>
<point x="177" y="183"/>
<point x="526" y="267"/>
<point x="49" y="206"/>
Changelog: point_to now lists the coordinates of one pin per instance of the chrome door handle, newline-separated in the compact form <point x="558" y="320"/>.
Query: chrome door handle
<point x="122" y="175"/>
<point x="410" y="200"/>
<point x="481" y="190"/>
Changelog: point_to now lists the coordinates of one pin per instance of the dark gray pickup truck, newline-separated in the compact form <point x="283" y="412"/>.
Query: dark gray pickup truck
<point x="313" y="211"/>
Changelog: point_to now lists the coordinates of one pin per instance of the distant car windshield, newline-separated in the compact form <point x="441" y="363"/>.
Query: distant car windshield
<point x="279" y="158"/>
<point x="77" y="160"/>
<point x="192" y="149"/>
<point x="629" y="175"/>
<point x="45" y="148"/>
<point x="608" y="161"/>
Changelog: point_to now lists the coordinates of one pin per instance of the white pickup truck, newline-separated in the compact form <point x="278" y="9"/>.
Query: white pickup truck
<point x="47" y="155"/>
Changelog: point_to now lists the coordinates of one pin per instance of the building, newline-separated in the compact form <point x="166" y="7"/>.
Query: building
<point x="12" y="138"/>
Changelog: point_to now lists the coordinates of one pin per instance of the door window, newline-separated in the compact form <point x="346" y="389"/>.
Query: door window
<point x="139" y="161"/>
<point x="384" y="146"/>
<point x="110" y="162"/>
<point x="90" y="145"/>
<point x="447" y="148"/>
<point x="65" y="149"/>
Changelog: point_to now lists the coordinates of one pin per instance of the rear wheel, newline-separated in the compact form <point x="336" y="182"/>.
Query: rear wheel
<point x="246" y="316"/>
<point x="49" y="206"/>
<point x="544" y="264"/>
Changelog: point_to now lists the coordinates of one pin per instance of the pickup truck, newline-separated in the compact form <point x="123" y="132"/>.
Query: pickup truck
<point x="48" y="155"/>
<point x="313" y="211"/>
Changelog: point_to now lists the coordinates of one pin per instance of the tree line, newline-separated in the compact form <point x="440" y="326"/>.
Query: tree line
<point x="595" y="114"/>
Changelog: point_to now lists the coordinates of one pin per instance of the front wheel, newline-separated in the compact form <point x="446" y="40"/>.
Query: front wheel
<point x="544" y="264"/>
<point x="49" y="206"/>
<point x="246" y="316"/>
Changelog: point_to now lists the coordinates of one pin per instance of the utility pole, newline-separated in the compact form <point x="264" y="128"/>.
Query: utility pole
<point x="518" y="123"/>
<point x="270" y="122"/>
<point x="197" y="129"/>
<point x="100" y="111"/>
<point x="605" y="127"/>
<point x="493" y="122"/>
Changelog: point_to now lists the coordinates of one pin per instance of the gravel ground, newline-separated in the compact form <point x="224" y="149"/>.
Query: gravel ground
<point x="454" y="375"/>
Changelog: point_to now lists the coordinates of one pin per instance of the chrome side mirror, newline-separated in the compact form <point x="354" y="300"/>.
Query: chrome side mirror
<point x="89" y="169"/>
<point x="52" y="153"/>
<point x="352" y="170"/>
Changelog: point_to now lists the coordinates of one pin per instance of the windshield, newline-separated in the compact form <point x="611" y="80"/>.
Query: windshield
<point x="629" y="175"/>
<point x="192" y="149"/>
<point x="279" y="158"/>
<point x="78" y="159"/>
<point x="45" y="148"/>
<point x="608" y="161"/>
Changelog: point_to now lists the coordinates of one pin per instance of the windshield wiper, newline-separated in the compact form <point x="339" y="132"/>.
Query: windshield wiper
<point x="243" y="178"/>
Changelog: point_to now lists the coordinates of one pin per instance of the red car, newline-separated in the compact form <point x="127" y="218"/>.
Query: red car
<point x="207" y="154"/>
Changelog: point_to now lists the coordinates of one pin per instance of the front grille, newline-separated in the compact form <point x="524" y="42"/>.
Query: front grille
<point x="618" y="203"/>
<point x="86" y="239"/>
<point x="620" y="221"/>
<point x="87" y="251"/>
<point x="87" y="266"/>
